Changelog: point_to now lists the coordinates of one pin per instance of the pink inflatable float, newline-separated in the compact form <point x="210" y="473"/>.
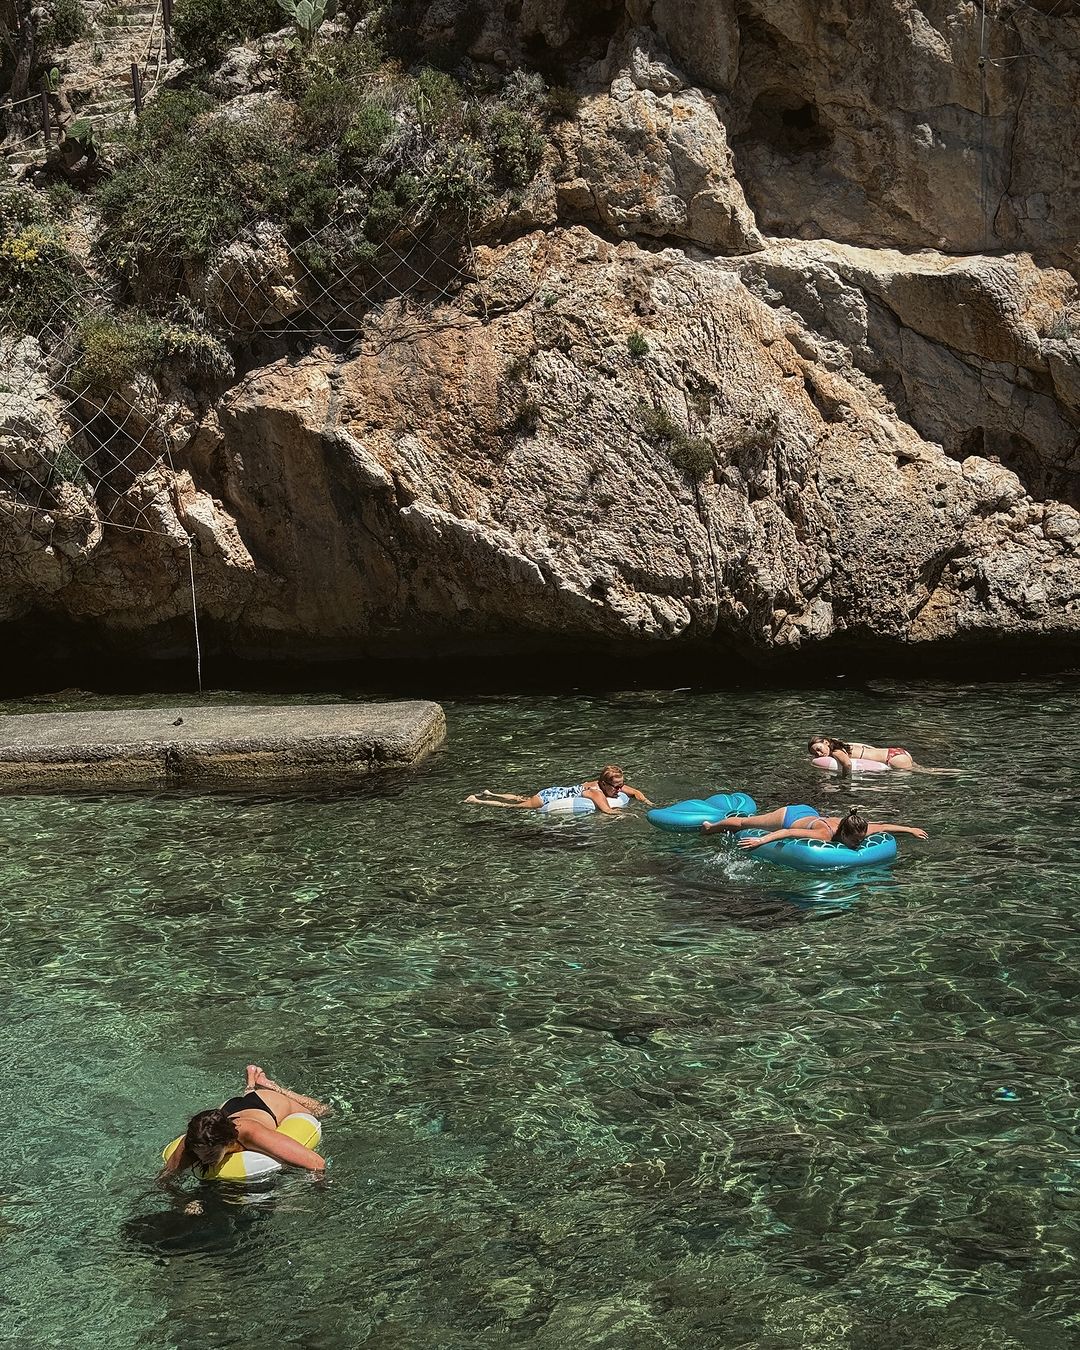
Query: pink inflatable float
<point x="858" y="765"/>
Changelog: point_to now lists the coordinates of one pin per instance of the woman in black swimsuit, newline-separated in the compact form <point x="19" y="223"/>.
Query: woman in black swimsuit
<point x="249" y="1121"/>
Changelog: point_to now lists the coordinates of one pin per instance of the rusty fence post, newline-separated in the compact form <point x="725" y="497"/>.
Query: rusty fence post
<point x="166" y="21"/>
<point x="46" y="122"/>
<point x="136" y="88"/>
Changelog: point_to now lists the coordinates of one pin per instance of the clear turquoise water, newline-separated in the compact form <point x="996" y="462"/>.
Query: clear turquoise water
<point x="596" y="1085"/>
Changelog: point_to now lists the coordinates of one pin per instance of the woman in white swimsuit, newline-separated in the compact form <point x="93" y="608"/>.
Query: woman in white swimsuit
<point x="608" y="783"/>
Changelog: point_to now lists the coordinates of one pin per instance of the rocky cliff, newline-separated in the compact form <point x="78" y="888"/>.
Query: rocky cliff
<point x="779" y="349"/>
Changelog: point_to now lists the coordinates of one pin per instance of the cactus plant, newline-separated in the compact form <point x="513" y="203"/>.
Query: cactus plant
<point x="307" y="15"/>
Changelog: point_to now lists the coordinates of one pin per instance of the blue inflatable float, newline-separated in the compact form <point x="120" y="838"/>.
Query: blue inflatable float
<point x="693" y="813"/>
<point x="817" y="855"/>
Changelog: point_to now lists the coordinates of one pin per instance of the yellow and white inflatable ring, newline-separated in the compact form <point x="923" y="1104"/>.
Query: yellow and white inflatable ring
<point x="247" y="1165"/>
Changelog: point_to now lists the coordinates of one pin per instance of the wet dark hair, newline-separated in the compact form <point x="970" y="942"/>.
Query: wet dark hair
<point x="832" y="744"/>
<point x="208" y="1135"/>
<point x="851" y="829"/>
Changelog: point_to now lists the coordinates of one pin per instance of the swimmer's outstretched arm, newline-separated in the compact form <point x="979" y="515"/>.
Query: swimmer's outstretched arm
<point x="280" y="1146"/>
<point x="599" y="800"/>
<point x="882" y="827"/>
<point x="175" y="1164"/>
<point x="636" y="795"/>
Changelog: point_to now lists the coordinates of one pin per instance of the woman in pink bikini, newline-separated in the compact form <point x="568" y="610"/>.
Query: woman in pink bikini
<point x="894" y="757"/>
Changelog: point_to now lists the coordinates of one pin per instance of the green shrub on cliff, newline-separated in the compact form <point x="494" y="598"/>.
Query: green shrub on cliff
<point x="38" y="280"/>
<point x="357" y="159"/>
<point x="562" y="103"/>
<point x="41" y="282"/>
<point x="65" y="24"/>
<point x="114" y="348"/>
<point x="333" y="106"/>
<point x="637" y="344"/>
<point x="516" y="146"/>
<point x="205" y="29"/>
<point x="693" y="454"/>
<point x="187" y="181"/>
<point x="513" y="128"/>
<point x="1065" y="325"/>
<point x="21" y="206"/>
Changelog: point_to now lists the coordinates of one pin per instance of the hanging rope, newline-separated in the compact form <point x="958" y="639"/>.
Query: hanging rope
<point x="983" y="111"/>
<point x="195" y="613"/>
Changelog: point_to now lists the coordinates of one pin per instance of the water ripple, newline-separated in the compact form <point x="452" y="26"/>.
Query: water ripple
<point x="595" y="1085"/>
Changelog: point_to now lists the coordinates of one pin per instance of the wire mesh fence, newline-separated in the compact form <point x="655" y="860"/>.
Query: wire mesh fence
<point x="89" y="433"/>
<point x="120" y="330"/>
<point x="93" y="434"/>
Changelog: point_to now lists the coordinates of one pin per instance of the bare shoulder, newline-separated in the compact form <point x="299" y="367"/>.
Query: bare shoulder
<point x="252" y="1132"/>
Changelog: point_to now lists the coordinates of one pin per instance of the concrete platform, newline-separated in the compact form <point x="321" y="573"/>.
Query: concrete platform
<point x="215" y="747"/>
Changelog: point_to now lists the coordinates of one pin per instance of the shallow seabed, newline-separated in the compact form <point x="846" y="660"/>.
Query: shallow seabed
<point x="596" y="1085"/>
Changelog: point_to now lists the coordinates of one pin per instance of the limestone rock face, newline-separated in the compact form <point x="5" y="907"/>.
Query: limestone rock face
<point x="246" y="70"/>
<point x="849" y="412"/>
<point x="961" y="347"/>
<point x="502" y="479"/>
<point x="703" y="36"/>
<point x="892" y="123"/>
<point x="104" y="536"/>
<point x="253" y="282"/>
<point x="49" y="521"/>
<point x="460" y="516"/>
<point x="653" y="157"/>
<point x="886" y="123"/>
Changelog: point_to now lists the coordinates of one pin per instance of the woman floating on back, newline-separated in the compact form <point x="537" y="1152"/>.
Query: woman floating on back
<point x="601" y="791"/>
<point x="843" y="752"/>
<point x="803" y="822"/>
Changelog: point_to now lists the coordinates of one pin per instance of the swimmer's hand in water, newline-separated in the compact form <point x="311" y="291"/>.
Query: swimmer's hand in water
<point x="752" y="843"/>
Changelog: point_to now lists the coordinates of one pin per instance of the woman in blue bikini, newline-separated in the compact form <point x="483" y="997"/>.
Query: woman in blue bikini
<point x="803" y="822"/>
<point x="608" y="783"/>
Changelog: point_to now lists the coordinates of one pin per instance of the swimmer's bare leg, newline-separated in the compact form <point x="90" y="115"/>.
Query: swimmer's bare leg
<point x="521" y="803"/>
<point x="256" y="1078"/>
<point x="770" y="820"/>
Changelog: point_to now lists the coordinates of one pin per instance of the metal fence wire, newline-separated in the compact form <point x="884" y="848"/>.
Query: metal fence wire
<point x="80" y="454"/>
<point x="96" y="369"/>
